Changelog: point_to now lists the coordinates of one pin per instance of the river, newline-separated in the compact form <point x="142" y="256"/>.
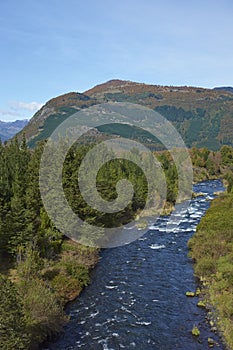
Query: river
<point x="137" y="296"/>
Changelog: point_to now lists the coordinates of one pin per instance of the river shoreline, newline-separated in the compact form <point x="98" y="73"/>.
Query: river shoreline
<point x="214" y="271"/>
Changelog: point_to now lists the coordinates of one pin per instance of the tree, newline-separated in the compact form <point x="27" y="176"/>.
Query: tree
<point x="17" y="215"/>
<point x="227" y="155"/>
<point x="229" y="178"/>
<point x="12" y="321"/>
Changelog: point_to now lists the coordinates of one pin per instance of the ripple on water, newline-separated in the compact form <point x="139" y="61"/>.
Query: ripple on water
<point x="157" y="246"/>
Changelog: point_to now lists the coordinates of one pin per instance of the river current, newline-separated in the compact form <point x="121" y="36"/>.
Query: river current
<point x="137" y="296"/>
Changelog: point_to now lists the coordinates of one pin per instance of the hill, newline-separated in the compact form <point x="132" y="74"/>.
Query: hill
<point x="225" y="88"/>
<point x="54" y="112"/>
<point x="9" y="129"/>
<point x="204" y="117"/>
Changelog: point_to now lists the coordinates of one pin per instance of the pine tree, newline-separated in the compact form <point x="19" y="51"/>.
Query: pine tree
<point x="17" y="216"/>
<point x="12" y="321"/>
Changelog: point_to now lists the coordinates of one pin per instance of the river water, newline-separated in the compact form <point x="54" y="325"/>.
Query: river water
<point x="137" y="296"/>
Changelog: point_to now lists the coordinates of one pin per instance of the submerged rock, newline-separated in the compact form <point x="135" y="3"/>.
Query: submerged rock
<point x="195" y="331"/>
<point x="211" y="342"/>
<point x="201" y="304"/>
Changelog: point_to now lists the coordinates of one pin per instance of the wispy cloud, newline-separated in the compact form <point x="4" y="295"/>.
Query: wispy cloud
<point x="19" y="110"/>
<point x="4" y="112"/>
<point x="29" y="106"/>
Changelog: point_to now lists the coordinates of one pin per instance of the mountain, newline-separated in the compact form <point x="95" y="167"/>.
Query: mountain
<point x="52" y="114"/>
<point x="9" y="129"/>
<point x="204" y="117"/>
<point x="225" y="88"/>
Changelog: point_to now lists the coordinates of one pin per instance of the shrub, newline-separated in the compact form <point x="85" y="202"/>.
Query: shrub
<point x="44" y="316"/>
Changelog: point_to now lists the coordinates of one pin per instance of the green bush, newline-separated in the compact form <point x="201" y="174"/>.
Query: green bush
<point x="44" y="316"/>
<point x="79" y="272"/>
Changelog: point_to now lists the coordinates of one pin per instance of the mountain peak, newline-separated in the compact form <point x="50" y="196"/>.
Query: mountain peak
<point x="112" y="85"/>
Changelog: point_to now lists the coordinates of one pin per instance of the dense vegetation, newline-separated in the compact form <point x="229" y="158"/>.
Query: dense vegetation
<point x="212" y="249"/>
<point x="40" y="268"/>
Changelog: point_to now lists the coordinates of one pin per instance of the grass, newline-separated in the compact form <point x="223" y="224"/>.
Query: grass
<point x="212" y="250"/>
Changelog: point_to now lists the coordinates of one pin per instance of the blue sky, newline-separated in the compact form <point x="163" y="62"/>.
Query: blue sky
<point x="50" y="47"/>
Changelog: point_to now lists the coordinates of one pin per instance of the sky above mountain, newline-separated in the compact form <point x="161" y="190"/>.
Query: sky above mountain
<point x="50" y="47"/>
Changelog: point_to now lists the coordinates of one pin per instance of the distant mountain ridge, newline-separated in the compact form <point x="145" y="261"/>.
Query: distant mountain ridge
<point x="225" y="88"/>
<point x="204" y="117"/>
<point x="9" y="129"/>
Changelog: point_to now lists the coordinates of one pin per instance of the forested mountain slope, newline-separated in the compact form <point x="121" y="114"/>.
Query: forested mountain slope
<point x="204" y="117"/>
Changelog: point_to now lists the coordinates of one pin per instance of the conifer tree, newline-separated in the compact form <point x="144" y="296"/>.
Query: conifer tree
<point x="12" y="321"/>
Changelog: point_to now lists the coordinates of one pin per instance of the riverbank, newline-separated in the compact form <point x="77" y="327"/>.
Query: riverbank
<point x="211" y="247"/>
<point x="43" y="288"/>
<point x="70" y="272"/>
